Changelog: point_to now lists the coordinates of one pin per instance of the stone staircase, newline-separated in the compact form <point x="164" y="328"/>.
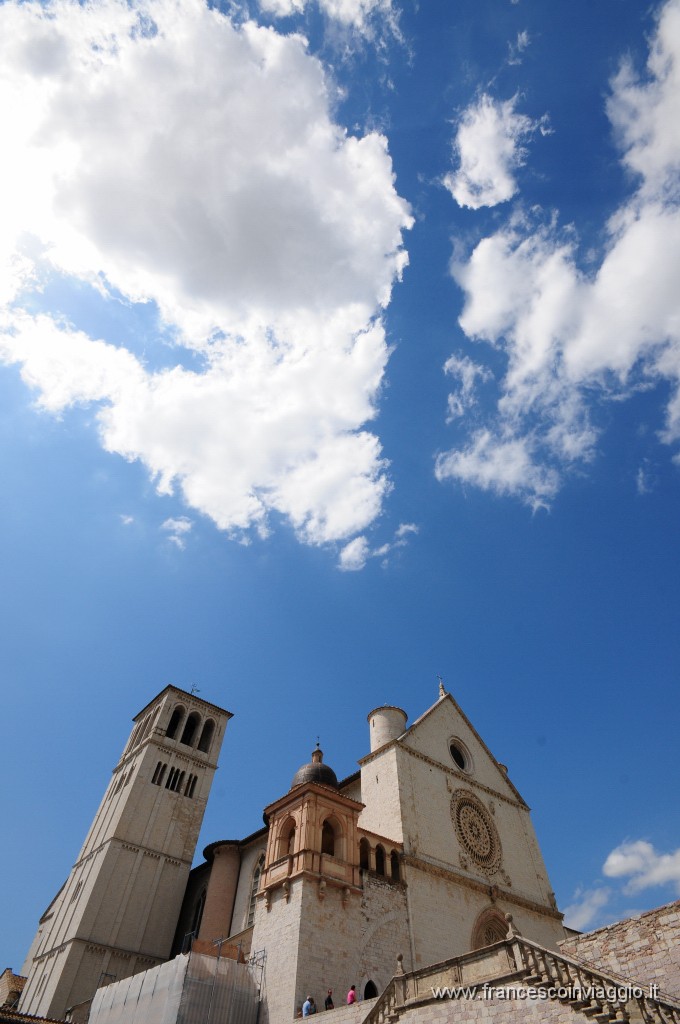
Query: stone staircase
<point x="561" y="981"/>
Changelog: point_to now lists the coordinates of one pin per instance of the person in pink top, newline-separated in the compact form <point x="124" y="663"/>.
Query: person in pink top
<point x="352" y="995"/>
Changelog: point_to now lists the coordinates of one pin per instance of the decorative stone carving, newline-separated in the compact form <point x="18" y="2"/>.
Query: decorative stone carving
<point x="476" y="832"/>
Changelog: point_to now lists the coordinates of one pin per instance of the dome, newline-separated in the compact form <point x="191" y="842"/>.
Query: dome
<point x="315" y="771"/>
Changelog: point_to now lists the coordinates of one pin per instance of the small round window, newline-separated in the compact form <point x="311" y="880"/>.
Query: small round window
<point x="460" y="755"/>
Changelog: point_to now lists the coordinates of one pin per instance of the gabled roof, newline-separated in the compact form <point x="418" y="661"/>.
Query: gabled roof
<point x="431" y="711"/>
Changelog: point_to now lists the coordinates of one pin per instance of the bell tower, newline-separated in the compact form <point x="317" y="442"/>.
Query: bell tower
<point x="310" y="893"/>
<point x="116" y="913"/>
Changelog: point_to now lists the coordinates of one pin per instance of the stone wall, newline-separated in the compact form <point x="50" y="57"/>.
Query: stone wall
<point x="354" y="1014"/>
<point x="645" y="949"/>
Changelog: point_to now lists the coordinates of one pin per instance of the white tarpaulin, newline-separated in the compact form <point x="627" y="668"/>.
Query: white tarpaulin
<point x="191" y="989"/>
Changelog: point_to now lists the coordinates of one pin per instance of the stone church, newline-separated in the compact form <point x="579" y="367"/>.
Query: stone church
<point x="425" y="856"/>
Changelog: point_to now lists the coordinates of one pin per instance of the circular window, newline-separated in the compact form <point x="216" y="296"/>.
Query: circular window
<point x="460" y="755"/>
<point x="475" y="830"/>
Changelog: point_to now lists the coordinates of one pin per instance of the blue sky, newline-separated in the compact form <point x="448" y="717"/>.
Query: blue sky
<point x="339" y="349"/>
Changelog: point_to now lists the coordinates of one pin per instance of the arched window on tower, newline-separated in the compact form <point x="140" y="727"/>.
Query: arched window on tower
<point x="328" y="838"/>
<point x="206" y="736"/>
<point x="190" y="729"/>
<point x="379" y="860"/>
<point x="286" y="843"/>
<point x="254" y="889"/>
<point x="394" y="866"/>
<point x="175" y="719"/>
<point x="364" y="854"/>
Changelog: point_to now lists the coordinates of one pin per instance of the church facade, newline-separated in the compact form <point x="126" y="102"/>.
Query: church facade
<point x="420" y="854"/>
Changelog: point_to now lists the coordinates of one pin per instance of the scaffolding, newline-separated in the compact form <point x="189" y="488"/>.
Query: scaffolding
<point x="194" y="988"/>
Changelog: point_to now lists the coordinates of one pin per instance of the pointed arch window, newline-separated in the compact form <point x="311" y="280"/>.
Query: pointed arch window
<point x="254" y="889"/>
<point x="490" y="927"/>
<point x="198" y="914"/>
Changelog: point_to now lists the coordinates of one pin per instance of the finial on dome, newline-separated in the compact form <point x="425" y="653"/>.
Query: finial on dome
<point x="316" y="771"/>
<point x="442" y="691"/>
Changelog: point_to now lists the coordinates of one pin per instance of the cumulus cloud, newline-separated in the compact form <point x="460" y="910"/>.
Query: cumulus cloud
<point x="643" y="865"/>
<point x="573" y="337"/>
<point x="489" y="148"/>
<point x="584" y="912"/>
<point x="354" y="555"/>
<point x="163" y="154"/>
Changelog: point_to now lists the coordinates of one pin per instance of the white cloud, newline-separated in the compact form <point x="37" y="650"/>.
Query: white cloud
<point x="573" y="338"/>
<point x="177" y="530"/>
<point x="356" y="554"/>
<point x="516" y="49"/>
<point x="507" y="467"/>
<point x="583" y="913"/>
<point x="161" y="151"/>
<point x="489" y="149"/>
<point x="359" y="15"/>
<point x="467" y="372"/>
<point x="645" y="868"/>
